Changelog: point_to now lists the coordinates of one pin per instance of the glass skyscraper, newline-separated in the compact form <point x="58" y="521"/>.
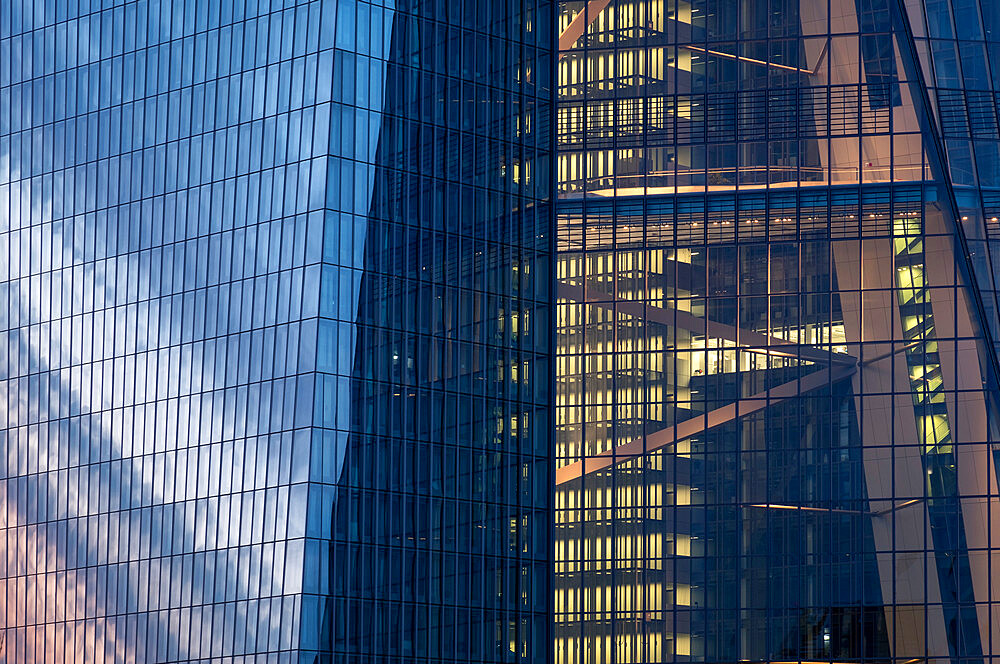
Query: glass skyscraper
<point x="273" y="319"/>
<point x="775" y="414"/>
<point x="575" y="331"/>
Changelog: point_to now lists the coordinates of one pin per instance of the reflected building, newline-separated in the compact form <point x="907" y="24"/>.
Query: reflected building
<point x="776" y="381"/>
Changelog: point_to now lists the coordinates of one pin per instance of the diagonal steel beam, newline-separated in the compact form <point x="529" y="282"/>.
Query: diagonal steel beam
<point x="580" y="23"/>
<point x="763" y="63"/>
<point x="585" y="18"/>
<point x="744" y="339"/>
<point x="696" y="425"/>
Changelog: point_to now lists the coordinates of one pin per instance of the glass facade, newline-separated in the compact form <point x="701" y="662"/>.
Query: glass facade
<point x="428" y="522"/>
<point x="775" y="377"/>
<point x="274" y="290"/>
<point x="958" y="49"/>
<point x="585" y="331"/>
<point x="162" y="187"/>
